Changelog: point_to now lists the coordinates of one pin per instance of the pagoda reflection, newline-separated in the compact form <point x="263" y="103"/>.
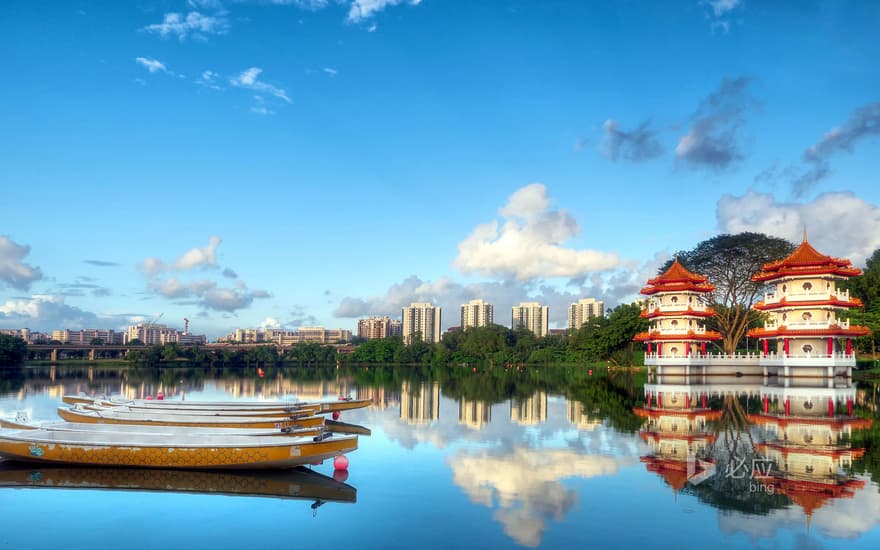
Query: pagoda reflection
<point x="808" y="426"/>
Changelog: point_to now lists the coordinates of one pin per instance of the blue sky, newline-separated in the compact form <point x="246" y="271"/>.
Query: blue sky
<point x="279" y="163"/>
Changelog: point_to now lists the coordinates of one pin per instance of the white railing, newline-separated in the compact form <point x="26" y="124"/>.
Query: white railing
<point x="675" y="331"/>
<point x="842" y="295"/>
<point x="816" y="324"/>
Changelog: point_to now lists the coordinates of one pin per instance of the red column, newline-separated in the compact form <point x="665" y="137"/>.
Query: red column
<point x="766" y="343"/>
<point x="650" y="395"/>
<point x="849" y="346"/>
<point x="703" y="348"/>
<point x="649" y="348"/>
<point x="659" y="348"/>
<point x="787" y="407"/>
<point x="830" y="407"/>
<point x="703" y="400"/>
<point x="687" y="401"/>
<point x="785" y="346"/>
<point x="849" y="407"/>
<point x="660" y="399"/>
<point x="830" y="347"/>
<point x="766" y="404"/>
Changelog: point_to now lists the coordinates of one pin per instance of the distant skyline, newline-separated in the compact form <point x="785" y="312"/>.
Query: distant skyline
<point x="283" y="163"/>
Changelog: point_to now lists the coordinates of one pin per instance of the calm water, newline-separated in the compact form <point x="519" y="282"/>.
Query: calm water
<point x="548" y="457"/>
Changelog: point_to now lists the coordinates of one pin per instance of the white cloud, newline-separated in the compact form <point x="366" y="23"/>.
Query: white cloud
<point x="722" y="7"/>
<point x="528" y="245"/>
<point x="270" y="323"/>
<point x="249" y="78"/>
<point x="331" y="71"/>
<point x="13" y="271"/>
<point x="152" y="65"/>
<point x="839" y="224"/>
<point x="192" y="24"/>
<point x="361" y="10"/>
<point x="174" y="288"/>
<point x="45" y="312"/>
<point x="191" y="259"/>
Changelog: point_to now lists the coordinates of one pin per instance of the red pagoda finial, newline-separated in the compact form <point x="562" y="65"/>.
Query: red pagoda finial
<point x="805" y="232"/>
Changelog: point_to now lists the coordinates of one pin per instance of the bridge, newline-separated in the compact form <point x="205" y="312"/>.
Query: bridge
<point x="54" y="352"/>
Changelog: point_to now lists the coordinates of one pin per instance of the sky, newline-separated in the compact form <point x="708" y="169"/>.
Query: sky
<point x="285" y="163"/>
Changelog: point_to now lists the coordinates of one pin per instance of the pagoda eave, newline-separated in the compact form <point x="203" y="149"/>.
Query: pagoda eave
<point x="677" y="287"/>
<point x="837" y="422"/>
<point x="834" y="330"/>
<point x="686" y="313"/>
<point x="762" y="306"/>
<point x="764" y="276"/>
<point x="708" y="336"/>
<point x="655" y="412"/>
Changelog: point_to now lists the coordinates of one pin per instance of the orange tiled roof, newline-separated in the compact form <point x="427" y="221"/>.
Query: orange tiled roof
<point x="833" y="330"/>
<point x="806" y="260"/>
<point x="678" y="278"/>
<point x="762" y="306"/>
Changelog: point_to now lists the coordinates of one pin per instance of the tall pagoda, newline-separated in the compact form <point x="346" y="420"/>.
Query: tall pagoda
<point x="677" y="310"/>
<point x="804" y="330"/>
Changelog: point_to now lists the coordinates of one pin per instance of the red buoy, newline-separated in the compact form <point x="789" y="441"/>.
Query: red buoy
<point x="149" y="398"/>
<point x="340" y="463"/>
<point x="160" y="396"/>
<point x="335" y="415"/>
<point x="340" y="476"/>
<point x="590" y="372"/>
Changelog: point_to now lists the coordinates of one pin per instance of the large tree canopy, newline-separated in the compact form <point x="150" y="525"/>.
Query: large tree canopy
<point x="729" y="261"/>
<point x="867" y="289"/>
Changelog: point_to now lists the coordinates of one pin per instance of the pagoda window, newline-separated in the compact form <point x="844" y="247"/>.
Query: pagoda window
<point x="784" y="288"/>
<point x="807" y="348"/>
<point x="808" y="286"/>
<point x="808" y="405"/>
<point x="809" y="469"/>
<point x="784" y="316"/>
<point x="808" y="437"/>
<point x="674" y="299"/>
<point x="674" y="322"/>
<point x="828" y="285"/>
<point x="673" y="351"/>
<point x="674" y="428"/>
<point x="807" y="316"/>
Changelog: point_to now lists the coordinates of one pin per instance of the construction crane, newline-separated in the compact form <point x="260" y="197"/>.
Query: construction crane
<point x="185" y="325"/>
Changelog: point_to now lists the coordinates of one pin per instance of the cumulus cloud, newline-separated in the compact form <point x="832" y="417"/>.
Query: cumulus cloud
<point x="249" y="78"/>
<point x="528" y="244"/>
<point x="839" y="224"/>
<point x="45" y="312"/>
<point x="525" y="486"/>
<point x="361" y="10"/>
<point x="864" y="122"/>
<point x="101" y="263"/>
<point x="712" y="141"/>
<point x="152" y="65"/>
<point x="193" y="24"/>
<point x="635" y="145"/>
<point x="13" y="271"/>
<point x="719" y="12"/>
<point x="191" y="259"/>
<point x="619" y="286"/>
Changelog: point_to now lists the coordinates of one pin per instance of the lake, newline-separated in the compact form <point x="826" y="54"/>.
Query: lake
<point x="552" y="457"/>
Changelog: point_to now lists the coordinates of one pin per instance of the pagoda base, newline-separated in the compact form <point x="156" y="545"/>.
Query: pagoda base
<point x="708" y="365"/>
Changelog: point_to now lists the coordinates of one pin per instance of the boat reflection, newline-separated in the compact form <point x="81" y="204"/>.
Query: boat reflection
<point x="298" y="483"/>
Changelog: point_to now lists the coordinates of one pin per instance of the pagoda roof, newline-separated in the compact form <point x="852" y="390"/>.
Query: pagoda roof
<point x="689" y="312"/>
<point x="837" y="422"/>
<point x="805" y="261"/>
<point x="783" y="303"/>
<point x="656" y="336"/>
<point x="692" y="413"/>
<point x="832" y="330"/>
<point x="678" y="278"/>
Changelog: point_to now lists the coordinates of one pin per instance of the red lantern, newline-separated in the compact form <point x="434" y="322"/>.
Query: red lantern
<point x="340" y="463"/>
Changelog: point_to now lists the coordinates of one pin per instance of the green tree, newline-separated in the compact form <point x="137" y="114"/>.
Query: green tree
<point x="13" y="350"/>
<point x="97" y="342"/>
<point x="867" y="289"/>
<point x="729" y="261"/>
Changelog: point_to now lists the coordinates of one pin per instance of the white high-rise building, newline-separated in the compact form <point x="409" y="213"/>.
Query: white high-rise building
<point x="421" y="318"/>
<point x="374" y="328"/>
<point x="533" y="316"/>
<point x="476" y="313"/>
<point x="581" y="311"/>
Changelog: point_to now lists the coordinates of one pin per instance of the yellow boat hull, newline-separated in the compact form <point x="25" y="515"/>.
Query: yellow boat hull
<point x="255" y="457"/>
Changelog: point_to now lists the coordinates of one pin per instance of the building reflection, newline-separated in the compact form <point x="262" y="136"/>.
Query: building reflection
<point x="420" y="404"/>
<point x="382" y="398"/>
<point x="578" y="416"/>
<point x="474" y="414"/>
<point x="807" y="427"/>
<point x="529" y="411"/>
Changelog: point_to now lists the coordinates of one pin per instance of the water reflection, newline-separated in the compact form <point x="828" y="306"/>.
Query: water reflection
<point x="529" y="456"/>
<point x="299" y="483"/>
